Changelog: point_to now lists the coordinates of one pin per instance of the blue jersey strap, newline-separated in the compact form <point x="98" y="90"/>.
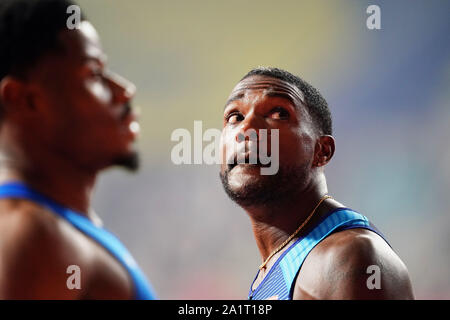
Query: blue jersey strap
<point x="280" y="280"/>
<point x="142" y="288"/>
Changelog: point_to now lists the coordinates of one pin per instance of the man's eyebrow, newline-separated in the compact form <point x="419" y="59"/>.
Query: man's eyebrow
<point x="102" y="59"/>
<point x="283" y="95"/>
<point x="234" y="98"/>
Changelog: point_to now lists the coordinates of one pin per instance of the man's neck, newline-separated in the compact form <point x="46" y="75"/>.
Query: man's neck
<point x="63" y="183"/>
<point x="273" y="224"/>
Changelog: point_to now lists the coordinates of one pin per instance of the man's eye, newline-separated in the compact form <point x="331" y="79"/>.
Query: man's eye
<point x="279" y="113"/>
<point x="234" y="118"/>
<point x="97" y="74"/>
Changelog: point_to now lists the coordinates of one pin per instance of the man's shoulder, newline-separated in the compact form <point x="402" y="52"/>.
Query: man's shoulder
<point x="25" y="224"/>
<point x="354" y="264"/>
<point x="35" y="248"/>
<point x="22" y="222"/>
<point x="358" y="242"/>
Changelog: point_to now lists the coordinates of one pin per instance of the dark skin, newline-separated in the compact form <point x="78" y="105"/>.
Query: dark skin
<point x="63" y="123"/>
<point x="336" y="267"/>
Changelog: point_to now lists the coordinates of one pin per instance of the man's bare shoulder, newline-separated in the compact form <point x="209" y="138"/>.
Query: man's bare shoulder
<point x="353" y="264"/>
<point x="25" y="223"/>
<point x="36" y="248"/>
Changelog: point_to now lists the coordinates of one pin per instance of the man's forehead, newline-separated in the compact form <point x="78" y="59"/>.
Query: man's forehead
<point x="84" y="42"/>
<point x="268" y="86"/>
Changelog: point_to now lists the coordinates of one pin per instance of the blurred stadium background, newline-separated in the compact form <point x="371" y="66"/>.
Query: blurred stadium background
<point x="388" y="91"/>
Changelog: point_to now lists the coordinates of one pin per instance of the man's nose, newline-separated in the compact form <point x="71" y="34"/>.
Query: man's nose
<point x="249" y="127"/>
<point x="123" y="89"/>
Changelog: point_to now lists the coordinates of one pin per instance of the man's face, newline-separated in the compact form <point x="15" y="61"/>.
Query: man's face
<point x="261" y="102"/>
<point x="85" y="114"/>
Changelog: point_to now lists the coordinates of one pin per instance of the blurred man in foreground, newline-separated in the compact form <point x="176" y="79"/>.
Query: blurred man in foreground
<point x="64" y="118"/>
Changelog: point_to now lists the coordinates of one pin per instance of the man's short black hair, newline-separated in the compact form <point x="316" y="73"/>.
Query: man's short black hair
<point x="316" y="104"/>
<point x="28" y="30"/>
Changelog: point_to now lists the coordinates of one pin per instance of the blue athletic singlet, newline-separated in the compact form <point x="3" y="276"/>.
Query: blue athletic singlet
<point x="279" y="281"/>
<point x="142" y="288"/>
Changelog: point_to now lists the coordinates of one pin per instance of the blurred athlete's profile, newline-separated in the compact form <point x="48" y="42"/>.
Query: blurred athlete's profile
<point x="312" y="246"/>
<point x="64" y="118"/>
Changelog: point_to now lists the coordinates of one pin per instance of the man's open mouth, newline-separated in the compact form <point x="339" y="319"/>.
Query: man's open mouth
<point x="125" y="112"/>
<point x="248" y="161"/>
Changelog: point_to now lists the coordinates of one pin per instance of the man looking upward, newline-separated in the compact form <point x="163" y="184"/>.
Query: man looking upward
<point x="312" y="246"/>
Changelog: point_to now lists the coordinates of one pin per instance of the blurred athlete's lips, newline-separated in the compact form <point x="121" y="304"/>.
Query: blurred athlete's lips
<point x="128" y="119"/>
<point x="125" y="111"/>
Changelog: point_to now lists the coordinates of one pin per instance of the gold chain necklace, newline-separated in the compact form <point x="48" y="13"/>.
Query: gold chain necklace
<point x="263" y="265"/>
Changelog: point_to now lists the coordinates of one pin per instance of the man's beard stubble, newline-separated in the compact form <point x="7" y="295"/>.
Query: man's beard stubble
<point x="268" y="190"/>
<point x="130" y="162"/>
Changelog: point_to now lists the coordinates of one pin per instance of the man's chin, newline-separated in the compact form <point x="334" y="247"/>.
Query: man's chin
<point x="243" y="176"/>
<point x="247" y="187"/>
<point x="130" y="162"/>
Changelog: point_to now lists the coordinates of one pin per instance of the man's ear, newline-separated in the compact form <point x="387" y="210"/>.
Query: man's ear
<point x="14" y="95"/>
<point x="324" y="150"/>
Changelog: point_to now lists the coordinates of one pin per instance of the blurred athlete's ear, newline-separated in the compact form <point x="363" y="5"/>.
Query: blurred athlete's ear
<point x="15" y="96"/>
